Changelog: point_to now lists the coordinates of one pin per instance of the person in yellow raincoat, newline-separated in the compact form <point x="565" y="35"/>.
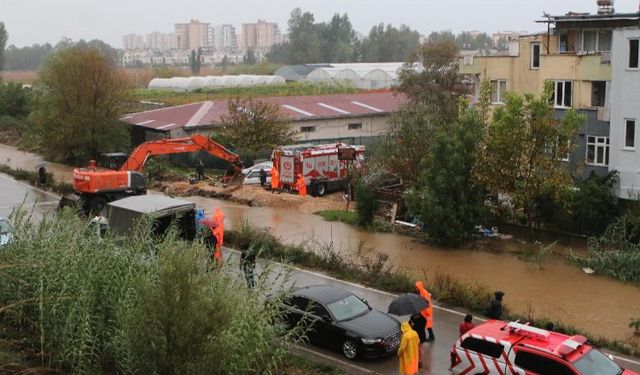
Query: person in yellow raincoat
<point x="428" y="312"/>
<point x="218" y="232"/>
<point x="301" y="185"/>
<point x="408" y="350"/>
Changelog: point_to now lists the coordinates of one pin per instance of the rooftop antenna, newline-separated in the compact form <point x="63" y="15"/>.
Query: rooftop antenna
<point x="605" y="6"/>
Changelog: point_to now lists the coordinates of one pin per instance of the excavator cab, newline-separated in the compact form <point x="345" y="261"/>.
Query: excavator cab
<point x="113" y="160"/>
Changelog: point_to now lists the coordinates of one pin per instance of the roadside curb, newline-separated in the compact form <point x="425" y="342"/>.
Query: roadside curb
<point x="349" y="368"/>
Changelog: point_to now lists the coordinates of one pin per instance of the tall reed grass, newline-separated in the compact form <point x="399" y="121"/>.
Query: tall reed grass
<point x="132" y="305"/>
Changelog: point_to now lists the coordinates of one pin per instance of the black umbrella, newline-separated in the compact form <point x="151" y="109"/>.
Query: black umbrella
<point x="407" y="304"/>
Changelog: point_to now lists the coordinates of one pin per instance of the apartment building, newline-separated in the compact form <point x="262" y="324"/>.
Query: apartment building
<point x="162" y="41"/>
<point x="260" y="35"/>
<point x="132" y="42"/>
<point x="192" y="35"/>
<point x="592" y="60"/>
<point x="224" y="37"/>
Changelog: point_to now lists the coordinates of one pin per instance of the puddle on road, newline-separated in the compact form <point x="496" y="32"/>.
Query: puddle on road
<point x="560" y="291"/>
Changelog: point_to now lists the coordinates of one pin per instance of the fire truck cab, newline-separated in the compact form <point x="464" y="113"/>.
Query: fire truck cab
<point x="509" y="348"/>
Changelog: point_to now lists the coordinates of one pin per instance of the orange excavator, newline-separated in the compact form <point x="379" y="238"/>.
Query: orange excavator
<point x="119" y="175"/>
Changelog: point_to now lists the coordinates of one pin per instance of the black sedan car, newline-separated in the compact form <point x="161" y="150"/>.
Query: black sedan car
<point x="340" y="320"/>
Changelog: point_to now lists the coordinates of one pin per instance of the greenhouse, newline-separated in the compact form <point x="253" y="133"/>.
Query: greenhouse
<point x="361" y="75"/>
<point x="213" y="82"/>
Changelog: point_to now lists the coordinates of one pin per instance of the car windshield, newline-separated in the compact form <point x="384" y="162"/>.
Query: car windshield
<point x="347" y="308"/>
<point x="5" y="227"/>
<point x="596" y="363"/>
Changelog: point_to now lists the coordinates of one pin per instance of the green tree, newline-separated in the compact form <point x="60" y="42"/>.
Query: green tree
<point x="253" y="125"/>
<point x="250" y="57"/>
<point x="523" y="150"/>
<point x="304" y="40"/>
<point x="80" y="100"/>
<point x="337" y="39"/>
<point x="404" y="149"/>
<point x="594" y="205"/>
<point x="14" y="100"/>
<point x="225" y="63"/>
<point x="388" y="44"/>
<point x="448" y="199"/>
<point x="195" y="61"/>
<point x="438" y="85"/>
<point x="3" y="43"/>
<point x="26" y="58"/>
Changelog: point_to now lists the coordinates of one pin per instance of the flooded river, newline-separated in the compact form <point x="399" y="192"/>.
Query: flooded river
<point x="596" y="304"/>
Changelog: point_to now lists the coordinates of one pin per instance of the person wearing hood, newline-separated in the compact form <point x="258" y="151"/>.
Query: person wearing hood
<point x="217" y="229"/>
<point x="494" y="308"/>
<point x="418" y="324"/>
<point x="275" y="179"/>
<point x="428" y="312"/>
<point x="408" y="351"/>
<point x="301" y="185"/>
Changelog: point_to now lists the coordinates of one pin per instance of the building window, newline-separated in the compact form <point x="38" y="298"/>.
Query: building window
<point x="633" y="53"/>
<point x="468" y="60"/>
<point x="535" y="55"/>
<point x="498" y="90"/>
<point x="604" y="40"/>
<point x="589" y="40"/>
<point x="356" y="126"/>
<point x="598" y="93"/>
<point x="562" y="94"/>
<point x="629" y="133"/>
<point x="567" y="40"/>
<point x="597" y="150"/>
<point x="307" y="129"/>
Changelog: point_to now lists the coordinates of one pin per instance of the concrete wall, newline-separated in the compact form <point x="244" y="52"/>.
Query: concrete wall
<point x="625" y="104"/>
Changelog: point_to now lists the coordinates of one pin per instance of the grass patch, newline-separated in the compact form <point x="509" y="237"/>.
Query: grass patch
<point x="172" y="98"/>
<point x="348" y="217"/>
<point x="371" y="268"/>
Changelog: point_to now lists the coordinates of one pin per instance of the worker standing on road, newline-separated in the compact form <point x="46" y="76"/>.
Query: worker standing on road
<point x="419" y="323"/>
<point x="428" y="312"/>
<point x="218" y="232"/>
<point x="301" y="185"/>
<point x="408" y="351"/>
<point x="275" y="179"/>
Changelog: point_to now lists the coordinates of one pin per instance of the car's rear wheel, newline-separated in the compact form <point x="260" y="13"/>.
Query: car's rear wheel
<point x="350" y="349"/>
<point x="322" y="189"/>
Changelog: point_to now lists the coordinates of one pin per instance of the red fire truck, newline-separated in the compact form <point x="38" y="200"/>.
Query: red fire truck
<point x="324" y="167"/>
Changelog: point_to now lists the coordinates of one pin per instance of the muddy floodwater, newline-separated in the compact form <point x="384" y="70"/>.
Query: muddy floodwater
<point x="596" y="304"/>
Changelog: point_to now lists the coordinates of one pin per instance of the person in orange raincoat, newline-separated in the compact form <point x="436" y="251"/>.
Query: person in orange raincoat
<point x="275" y="179"/>
<point x="408" y="350"/>
<point x="428" y="312"/>
<point x="218" y="232"/>
<point x="301" y="185"/>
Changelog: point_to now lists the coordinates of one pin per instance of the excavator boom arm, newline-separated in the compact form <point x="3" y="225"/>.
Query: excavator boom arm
<point x="197" y="142"/>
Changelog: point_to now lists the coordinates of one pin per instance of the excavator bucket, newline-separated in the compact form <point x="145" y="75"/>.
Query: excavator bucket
<point x="233" y="177"/>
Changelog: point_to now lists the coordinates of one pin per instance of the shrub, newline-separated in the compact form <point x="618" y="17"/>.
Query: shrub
<point x="366" y="200"/>
<point x="136" y="305"/>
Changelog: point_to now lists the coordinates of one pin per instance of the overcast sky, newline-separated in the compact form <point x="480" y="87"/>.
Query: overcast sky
<point x="39" y="21"/>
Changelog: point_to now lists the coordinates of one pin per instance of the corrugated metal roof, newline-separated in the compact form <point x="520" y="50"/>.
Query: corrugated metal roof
<point x="293" y="107"/>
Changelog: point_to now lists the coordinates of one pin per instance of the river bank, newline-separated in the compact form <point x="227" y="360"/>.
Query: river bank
<point x="559" y="291"/>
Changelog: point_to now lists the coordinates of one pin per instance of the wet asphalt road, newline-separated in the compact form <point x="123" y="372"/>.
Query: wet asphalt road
<point x="14" y="194"/>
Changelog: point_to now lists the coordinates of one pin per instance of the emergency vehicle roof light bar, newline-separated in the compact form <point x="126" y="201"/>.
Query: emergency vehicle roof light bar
<point x="526" y="329"/>
<point x="570" y="345"/>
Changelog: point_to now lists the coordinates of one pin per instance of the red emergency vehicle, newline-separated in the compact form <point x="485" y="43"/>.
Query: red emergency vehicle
<point x="502" y="348"/>
<point x="320" y="165"/>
